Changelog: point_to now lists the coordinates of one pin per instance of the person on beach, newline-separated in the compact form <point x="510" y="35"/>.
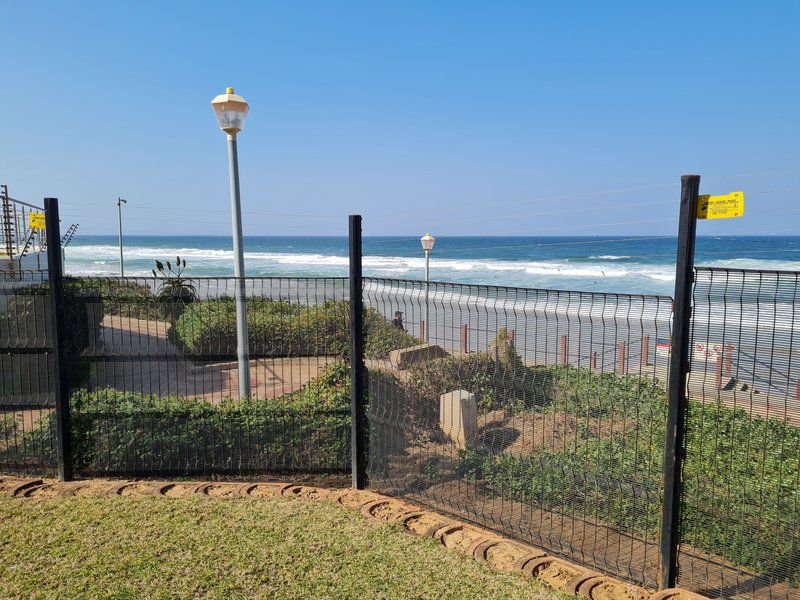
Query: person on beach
<point x="398" y="320"/>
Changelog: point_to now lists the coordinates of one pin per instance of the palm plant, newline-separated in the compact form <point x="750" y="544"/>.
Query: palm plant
<point x="175" y="289"/>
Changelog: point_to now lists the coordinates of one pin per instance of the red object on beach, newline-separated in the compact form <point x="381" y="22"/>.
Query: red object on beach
<point x="464" y="339"/>
<point x="728" y="352"/>
<point x="593" y="361"/>
<point x="563" y="350"/>
<point x="422" y="330"/>
<point x="621" y="359"/>
<point x="645" y="350"/>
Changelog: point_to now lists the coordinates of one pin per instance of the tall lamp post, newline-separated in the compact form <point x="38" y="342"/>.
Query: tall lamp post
<point x="231" y="110"/>
<point x="427" y="241"/>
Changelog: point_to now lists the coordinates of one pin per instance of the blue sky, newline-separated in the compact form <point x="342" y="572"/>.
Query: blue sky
<point x="503" y="118"/>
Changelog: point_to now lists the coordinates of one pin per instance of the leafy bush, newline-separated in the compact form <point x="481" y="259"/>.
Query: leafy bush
<point x="126" y="298"/>
<point x="494" y="383"/>
<point x="280" y="328"/>
<point x="116" y="431"/>
<point x="593" y="394"/>
<point x="8" y="425"/>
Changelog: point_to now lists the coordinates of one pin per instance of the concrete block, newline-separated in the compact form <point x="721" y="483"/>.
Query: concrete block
<point x="458" y="418"/>
<point x="405" y="357"/>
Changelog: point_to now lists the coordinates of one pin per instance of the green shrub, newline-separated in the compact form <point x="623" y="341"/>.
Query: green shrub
<point x="278" y="328"/>
<point x="593" y="394"/>
<point x="116" y="431"/>
<point x="740" y="500"/>
<point x="494" y="383"/>
<point x="8" y="425"/>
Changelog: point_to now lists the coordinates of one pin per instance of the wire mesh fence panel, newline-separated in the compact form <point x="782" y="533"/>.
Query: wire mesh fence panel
<point x="27" y="376"/>
<point x="537" y="413"/>
<point x="740" y="516"/>
<point x="157" y="388"/>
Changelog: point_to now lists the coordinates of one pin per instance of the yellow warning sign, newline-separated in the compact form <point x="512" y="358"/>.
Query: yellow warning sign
<point x="36" y="220"/>
<point x="721" y="207"/>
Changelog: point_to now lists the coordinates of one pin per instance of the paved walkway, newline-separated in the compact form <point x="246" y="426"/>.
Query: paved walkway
<point x="136" y="356"/>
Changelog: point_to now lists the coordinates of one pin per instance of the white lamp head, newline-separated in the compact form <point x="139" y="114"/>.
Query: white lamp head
<point x="427" y="242"/>
<point x="231" y="110"/>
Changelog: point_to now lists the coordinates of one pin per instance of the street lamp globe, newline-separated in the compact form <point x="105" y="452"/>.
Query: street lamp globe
<point x="231" y="110"/>
<point x="427" y="242"/>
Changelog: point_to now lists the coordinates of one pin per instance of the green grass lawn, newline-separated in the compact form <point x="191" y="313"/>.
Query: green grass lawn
<point x="202" y="548"/>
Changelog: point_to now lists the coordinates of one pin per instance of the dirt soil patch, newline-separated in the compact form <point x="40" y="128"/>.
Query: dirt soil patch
<point x="612" y="590"/>
<point x="386" y="511"/>
<point x="503" y="556"/>
<point x="355" y="498"/>
<point x="555" y="573"/>
<point x="223" y="490"/>
<point x="42" y="491"/>
<point x="8" y="483"/>
<point x="302" y="491"/>
<point x="178" y="490"/>
<point x="423" y="523"/>
<point x="462" y="539"/>
<point x="139" y="488"/>
<point x="265" y="490"/>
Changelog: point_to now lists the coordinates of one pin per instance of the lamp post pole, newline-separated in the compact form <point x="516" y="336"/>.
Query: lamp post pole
<point x="120" y="202"/>
<point x="231" y="110"/>
<point x="427" y="292"/>
<point x="242" y="342"/>
<point x="427" y="241"/>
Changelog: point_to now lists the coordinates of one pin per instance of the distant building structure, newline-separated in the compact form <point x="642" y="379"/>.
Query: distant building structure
<point x="23" y="236"/>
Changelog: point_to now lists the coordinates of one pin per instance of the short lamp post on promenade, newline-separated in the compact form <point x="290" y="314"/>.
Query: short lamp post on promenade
<point x="427" y="241"/>
<point x="231" y="110"/>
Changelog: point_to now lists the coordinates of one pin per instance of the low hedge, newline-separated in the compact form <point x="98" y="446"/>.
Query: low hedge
<point x="126" y="432"/>
<point x="278" y="328"/>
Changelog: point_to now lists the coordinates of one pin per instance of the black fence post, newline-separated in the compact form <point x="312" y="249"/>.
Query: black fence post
<point x="55" y="274"/>
<point x="679" y="367"/>
<point x="358" y="404"/>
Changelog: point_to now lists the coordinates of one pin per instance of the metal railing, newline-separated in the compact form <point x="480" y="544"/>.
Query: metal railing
<point x="542" y="413"/>
<point x="537" y="418"/>
<point x="17" y="236"/>
<point x="153" y="377"/>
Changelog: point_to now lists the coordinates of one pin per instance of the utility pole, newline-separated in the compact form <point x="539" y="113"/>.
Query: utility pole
<point x="120" y="202"/>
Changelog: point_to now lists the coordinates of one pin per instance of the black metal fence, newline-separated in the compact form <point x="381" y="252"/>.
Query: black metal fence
<point x="542" y="414"/>
<point x="27" y="373"/>
<point x="153" y="378"/>
<point x="740" y="511"/>
<point x="538" y="413"/>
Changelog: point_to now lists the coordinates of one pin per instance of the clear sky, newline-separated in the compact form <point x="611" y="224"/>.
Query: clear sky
<point x="458" y="117"/>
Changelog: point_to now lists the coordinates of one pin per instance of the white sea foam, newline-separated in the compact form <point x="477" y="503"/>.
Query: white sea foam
<point x="605" y="271"/>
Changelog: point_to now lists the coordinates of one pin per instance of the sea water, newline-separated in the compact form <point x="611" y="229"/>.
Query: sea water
<point x="638" y="265"/>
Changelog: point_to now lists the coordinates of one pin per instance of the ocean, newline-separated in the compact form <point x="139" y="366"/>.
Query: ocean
<point x="639" y="265"/>
<point x="757" y="318"/>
